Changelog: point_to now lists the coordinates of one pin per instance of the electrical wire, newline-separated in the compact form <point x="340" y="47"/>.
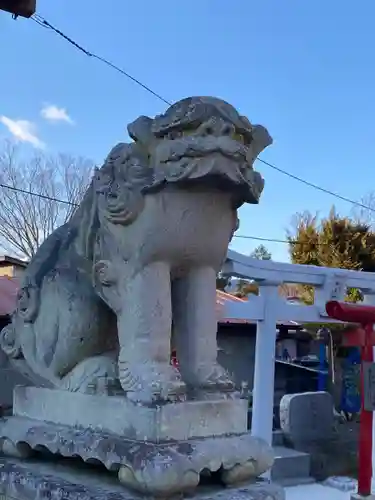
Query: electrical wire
<point x="40" y="20"/>
<point x="241" y="236"/>
<point x="38" y="195"/>
<point x="43" y="22"/>
<point x="315" y="186"/>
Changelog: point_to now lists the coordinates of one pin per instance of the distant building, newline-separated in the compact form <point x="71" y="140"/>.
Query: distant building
<point x="11" y="266"/>
<point x="11" y="271"/>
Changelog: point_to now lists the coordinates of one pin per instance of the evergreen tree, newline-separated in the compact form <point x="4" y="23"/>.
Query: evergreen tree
<point x="246" y="287"/>
<point x="334" y="241"/>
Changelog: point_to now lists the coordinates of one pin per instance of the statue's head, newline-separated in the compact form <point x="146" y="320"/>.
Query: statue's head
<point x="199" y="141"/>
<point x="200" y="144"/>
<point x="203" y="140"/>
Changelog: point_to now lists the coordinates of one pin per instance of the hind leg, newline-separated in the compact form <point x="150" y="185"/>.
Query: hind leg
<point x="95" y="375"/>
<point x="72" y="325"/>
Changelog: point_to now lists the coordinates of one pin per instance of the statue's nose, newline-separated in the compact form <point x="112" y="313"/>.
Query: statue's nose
<point x="216" y="127"/>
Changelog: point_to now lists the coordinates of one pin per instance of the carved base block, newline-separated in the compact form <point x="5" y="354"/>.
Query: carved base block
<point x="116" y="414"/>
<point x="157" y="469"/>
<point x="36" y="480"/>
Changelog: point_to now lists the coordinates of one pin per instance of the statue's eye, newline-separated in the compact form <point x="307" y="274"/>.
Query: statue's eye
<point x="189" y="131"/>
<point x="174" y="134"/>
<point x="239" y="138"/>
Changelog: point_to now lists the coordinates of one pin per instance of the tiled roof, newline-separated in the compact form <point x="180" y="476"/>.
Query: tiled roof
<point x="7" y="259"/>
<point x="8" y="295"/>
<point x="222" y="298"/>
<point x="9" y="288"/>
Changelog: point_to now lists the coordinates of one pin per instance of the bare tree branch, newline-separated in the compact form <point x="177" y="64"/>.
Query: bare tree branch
<point x="363" y="215"/>
<point x="26" y="220"/>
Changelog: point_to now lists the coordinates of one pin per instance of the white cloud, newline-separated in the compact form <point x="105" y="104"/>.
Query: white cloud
<point x="22" y="130"/>
<point x="53" y="113"/>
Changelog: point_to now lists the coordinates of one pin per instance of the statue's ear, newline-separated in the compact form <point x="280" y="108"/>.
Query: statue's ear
<point x="261" y="140"/>
<point x="140" y="130"/>
<point x="87" y="222"/>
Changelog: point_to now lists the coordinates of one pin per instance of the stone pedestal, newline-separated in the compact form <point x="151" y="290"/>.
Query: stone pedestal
<point x="118" y="415"/>
<point x="159" y="449"/>
<point x="36" y="480"/>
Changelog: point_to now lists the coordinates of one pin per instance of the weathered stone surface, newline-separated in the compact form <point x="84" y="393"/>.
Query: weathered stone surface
<point x="96" y="307"/>
<point x="342" y="483"/>
<point x="355" y="496"/>
<point x="164" y="468"/>
<point x="12" y="373"/>
<point x="98" y="298"/>
<point x="37" y="481"/>
<point x="116" y="414"/>
<point x="307" y="417"/>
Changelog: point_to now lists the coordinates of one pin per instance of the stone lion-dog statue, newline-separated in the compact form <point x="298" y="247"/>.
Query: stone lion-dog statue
<point x="141" y="252"/>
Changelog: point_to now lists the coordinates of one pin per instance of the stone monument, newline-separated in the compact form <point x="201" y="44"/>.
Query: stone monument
<point x="97" y="304"/>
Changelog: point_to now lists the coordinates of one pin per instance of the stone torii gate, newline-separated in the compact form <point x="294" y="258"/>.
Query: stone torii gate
<point x="270" y="307"/>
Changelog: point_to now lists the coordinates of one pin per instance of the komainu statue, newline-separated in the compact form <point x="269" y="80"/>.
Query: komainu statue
<point x="141" y="253"/>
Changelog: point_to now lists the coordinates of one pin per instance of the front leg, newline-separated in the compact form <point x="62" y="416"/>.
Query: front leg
<point x="195" y="329"/>
<point x="144" y="329"/>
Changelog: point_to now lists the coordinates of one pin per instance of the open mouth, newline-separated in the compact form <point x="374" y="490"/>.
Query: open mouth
<point x="218" y="160"/>
<point x="203" y="140"/>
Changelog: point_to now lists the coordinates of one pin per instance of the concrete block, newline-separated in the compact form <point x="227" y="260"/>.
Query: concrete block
<point x="342" y="483"/>
<point x="290" y="464"/>
<point x="307" y="417"/>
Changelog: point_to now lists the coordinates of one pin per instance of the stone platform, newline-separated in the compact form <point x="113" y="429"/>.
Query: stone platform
<point x="144" y="466"/>
<point x="36" y="480"/>
<point x="118" y="415"/>
<point x="160" y="449"/>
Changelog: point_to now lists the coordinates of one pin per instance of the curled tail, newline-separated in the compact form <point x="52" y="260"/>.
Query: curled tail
<point x="27" y="310"/>
<point x="28" y="302"/>
<point x="9" y="343"/>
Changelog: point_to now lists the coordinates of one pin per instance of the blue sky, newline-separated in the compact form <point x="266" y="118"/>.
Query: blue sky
<point x="305" y="70"/>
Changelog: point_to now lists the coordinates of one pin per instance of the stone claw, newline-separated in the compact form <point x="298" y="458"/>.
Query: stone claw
<point x="18" y="450"/>
<point x="160" y="484"/>
<point x="213" y="377"/>
<point x="149" y="382"/>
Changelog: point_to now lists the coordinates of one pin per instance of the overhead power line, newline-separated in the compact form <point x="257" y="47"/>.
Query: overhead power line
<point x="268" y="240"/>
<point x="38" y="195"/>
<point x="66" y="202"/>
<point x="43" y="22"/>
<point x="46" y="24"/>
<point x="316" y="186"/>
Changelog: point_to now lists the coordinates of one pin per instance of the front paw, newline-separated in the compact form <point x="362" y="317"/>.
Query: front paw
<point x="149" y="381"/>
<point x="214" y="377"/>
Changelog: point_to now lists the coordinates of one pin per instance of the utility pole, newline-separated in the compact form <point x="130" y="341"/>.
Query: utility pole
<point x="23" y="8"/>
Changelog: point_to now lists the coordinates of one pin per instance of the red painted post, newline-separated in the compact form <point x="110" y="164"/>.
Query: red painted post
<point x="363" y="337"/>
<point x="365" y="428"/>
